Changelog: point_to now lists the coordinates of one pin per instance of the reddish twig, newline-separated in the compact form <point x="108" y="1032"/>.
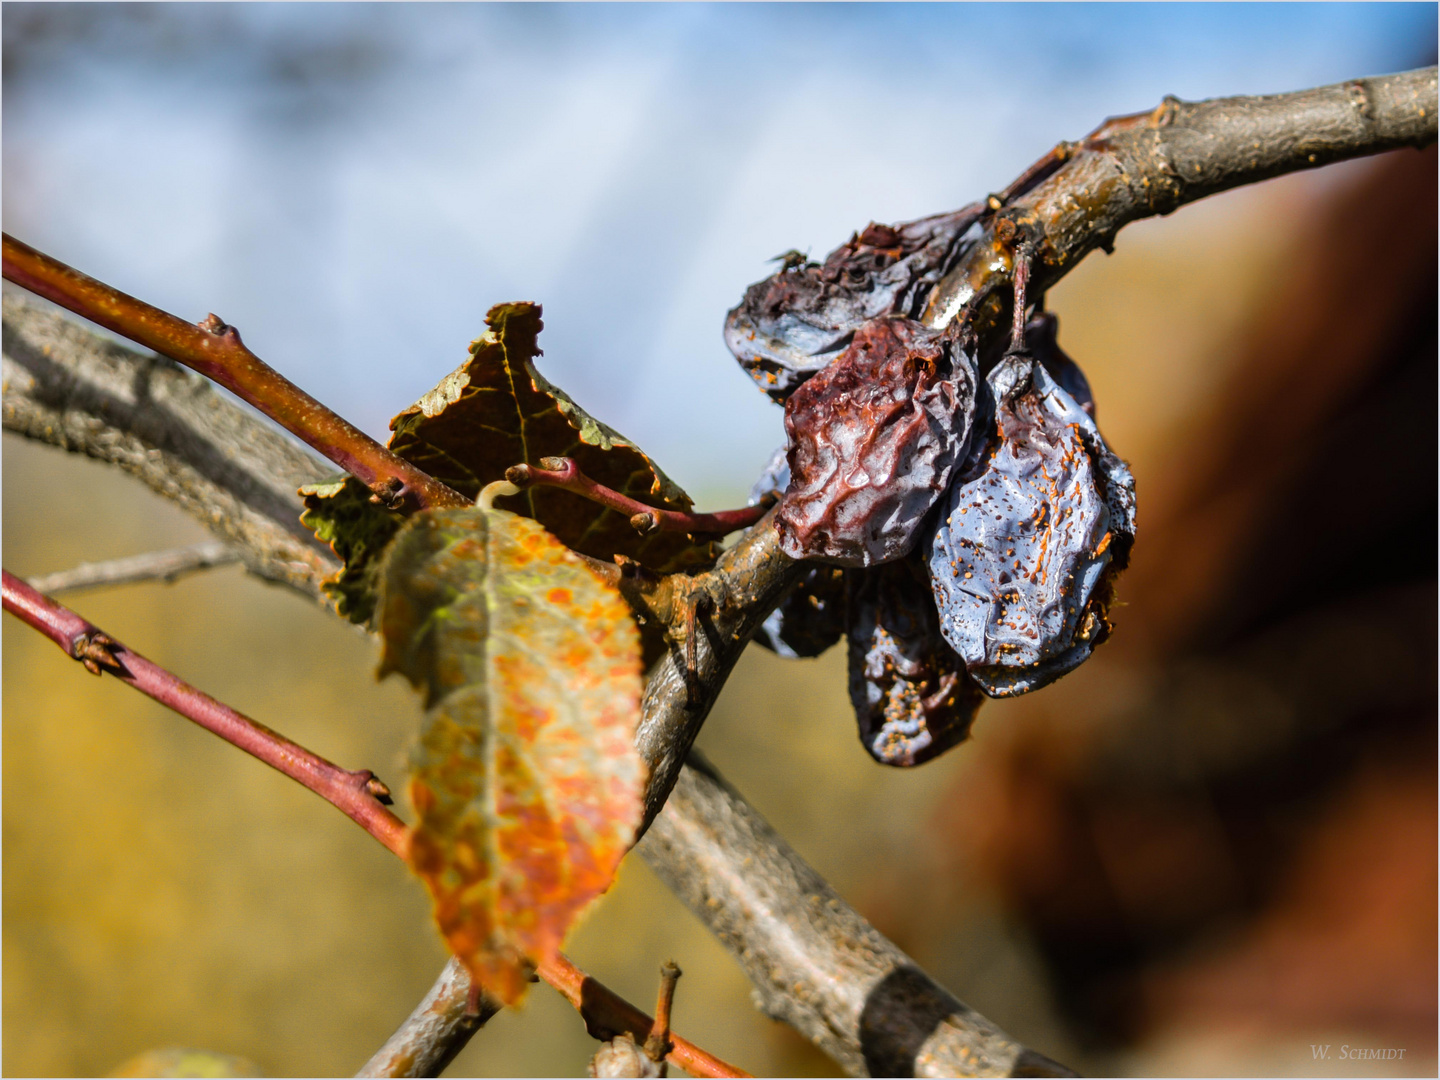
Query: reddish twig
<point x="608" y="1015"/>
<point x="359" y="795"/>
<point x="563" y="473"/>
<point x="1024" y="259"/>
<point x="658" y="1044"/>
<point x="214" y="350"/>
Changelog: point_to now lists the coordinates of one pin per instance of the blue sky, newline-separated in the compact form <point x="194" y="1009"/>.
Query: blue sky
<point x="354" y="185"/>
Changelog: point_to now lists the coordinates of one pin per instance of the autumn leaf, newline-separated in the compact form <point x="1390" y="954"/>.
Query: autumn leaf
<point x="494" y="411"/>
<point x="526" y="781"/>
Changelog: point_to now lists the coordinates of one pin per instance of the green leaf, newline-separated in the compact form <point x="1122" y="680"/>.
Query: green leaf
<point x="526" y="781"/>
<point x="341" y="512"/>
<point x="494" y="411"/>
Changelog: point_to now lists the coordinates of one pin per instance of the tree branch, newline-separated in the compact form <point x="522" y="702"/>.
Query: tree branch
<point x="436" y="1031"/>
<point x="69" y="387"/>
<point x="815" y="962"/>
<point x="1128" y="168"/>
<point x="152" y="566"/>
<point x="1152" y="163"/>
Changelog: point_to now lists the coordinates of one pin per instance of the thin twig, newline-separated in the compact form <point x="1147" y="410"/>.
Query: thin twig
<point x="563" y="473"/>
<point x="657" y="1043"/>
<point x="152" y="566"/>
<point x="215" y="350"/>
<point x="358" y="795"/>
<point x="618" y="1016"/>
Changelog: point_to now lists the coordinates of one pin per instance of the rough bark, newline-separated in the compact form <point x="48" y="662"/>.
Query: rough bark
<point x="69" y="387"/>
<point x="1152" y="163"/>
<point x="815" y="962"/>
<point x="435" y="1032"/>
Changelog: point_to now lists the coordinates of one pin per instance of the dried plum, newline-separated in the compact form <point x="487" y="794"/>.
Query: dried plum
<point x="912" y="695"/>
<point x="774" y="479"/>
<point x="810" y="619"/>
<point x="1041" y="340"/>
<point x="797" y="321"/>
<point x="874" y="440"/>
<point x="1029" y="539"/>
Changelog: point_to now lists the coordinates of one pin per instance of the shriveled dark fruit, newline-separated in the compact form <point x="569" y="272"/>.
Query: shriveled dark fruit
<point x="1117" y="484"/>
<point x="1023" y="557"/>
<point x="912" y="695"/>
<point x="1041" y="341"/>
<point x="874" y="440"/>
<point x="796" y="322"/>
<point x="810" y="619"/>
<point x="774" y="479"/>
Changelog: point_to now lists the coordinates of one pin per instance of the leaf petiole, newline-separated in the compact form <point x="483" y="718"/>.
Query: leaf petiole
<point x="563" y="473"/>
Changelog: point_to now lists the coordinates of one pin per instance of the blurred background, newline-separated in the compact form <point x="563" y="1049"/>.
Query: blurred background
<point x="1207" y="850"/>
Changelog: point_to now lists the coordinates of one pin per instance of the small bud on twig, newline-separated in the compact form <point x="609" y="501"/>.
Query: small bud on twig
<point x="379" y="790"/>
<point x="95" y="650"/>
<point x="390" y="493"/>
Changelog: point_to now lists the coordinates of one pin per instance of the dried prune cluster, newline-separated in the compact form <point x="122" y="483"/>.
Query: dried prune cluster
<point x="966" y="531"/>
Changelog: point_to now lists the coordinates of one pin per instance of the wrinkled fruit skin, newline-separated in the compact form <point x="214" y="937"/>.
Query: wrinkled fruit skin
<point x="912" y="695"/>
<point x="1026" y="546"/>
<point x="796" y="322"/>
<point x="810" y="619"/>
<point x="874" y="440"/>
